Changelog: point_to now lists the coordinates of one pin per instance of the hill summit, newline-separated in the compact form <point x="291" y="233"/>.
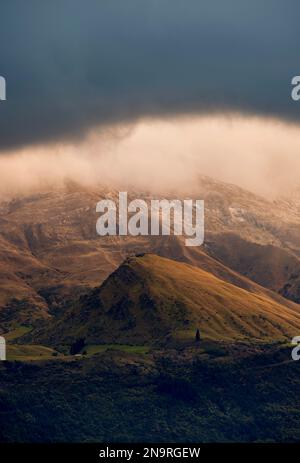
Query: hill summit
<point x="151" y="298"/>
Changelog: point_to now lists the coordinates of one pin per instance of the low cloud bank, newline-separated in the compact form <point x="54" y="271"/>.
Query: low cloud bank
<point x="259" y="154"/>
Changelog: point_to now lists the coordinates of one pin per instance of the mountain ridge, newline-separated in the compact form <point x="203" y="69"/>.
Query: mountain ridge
<point x="151" y="298"/>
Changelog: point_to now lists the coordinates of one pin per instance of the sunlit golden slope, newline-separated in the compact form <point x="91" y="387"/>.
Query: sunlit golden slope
<point x="150" y="298"/>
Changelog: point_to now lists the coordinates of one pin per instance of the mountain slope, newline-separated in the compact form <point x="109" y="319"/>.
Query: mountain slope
<point x="50" y="252"/>
<point x="269" y="266"/>
<point x="150" y="298"/>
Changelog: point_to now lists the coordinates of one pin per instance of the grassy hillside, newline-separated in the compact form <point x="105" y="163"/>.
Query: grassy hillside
<point x="150" y="298"/>
<point x="28" y="352"/>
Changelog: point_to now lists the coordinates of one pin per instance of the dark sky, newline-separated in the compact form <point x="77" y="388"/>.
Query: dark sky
<point x="73" y="64"/>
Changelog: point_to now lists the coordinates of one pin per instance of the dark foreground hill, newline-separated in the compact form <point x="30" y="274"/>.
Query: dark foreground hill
<point x="152" y="299"/>
<point x="159" y="397"/>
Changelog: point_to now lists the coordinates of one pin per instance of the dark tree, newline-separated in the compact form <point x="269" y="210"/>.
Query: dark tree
<point x="198" y="335"/>
<point x="77" y="346"/>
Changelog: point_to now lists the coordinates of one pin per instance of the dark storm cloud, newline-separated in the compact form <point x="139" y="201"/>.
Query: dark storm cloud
<point x="72" y="64"/>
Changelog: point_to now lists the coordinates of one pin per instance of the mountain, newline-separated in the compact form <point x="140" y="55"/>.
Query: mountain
<point x="50" y="253"/>
<point x="269" y="266"/>
<point x="150" y="298"/>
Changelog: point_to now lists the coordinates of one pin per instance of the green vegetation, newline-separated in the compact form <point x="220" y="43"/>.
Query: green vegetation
<point x="77" y="346"/>
<point x="174" y="396"/>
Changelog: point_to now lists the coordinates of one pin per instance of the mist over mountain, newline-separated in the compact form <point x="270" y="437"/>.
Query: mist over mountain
<point x="163" y="156"/>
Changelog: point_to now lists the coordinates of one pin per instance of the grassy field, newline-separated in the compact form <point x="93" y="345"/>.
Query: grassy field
<point x="28" y="352"/>
<point x="19" y="331"/>
<point x="31" y="352"/>
<point x="96" y="348"/>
